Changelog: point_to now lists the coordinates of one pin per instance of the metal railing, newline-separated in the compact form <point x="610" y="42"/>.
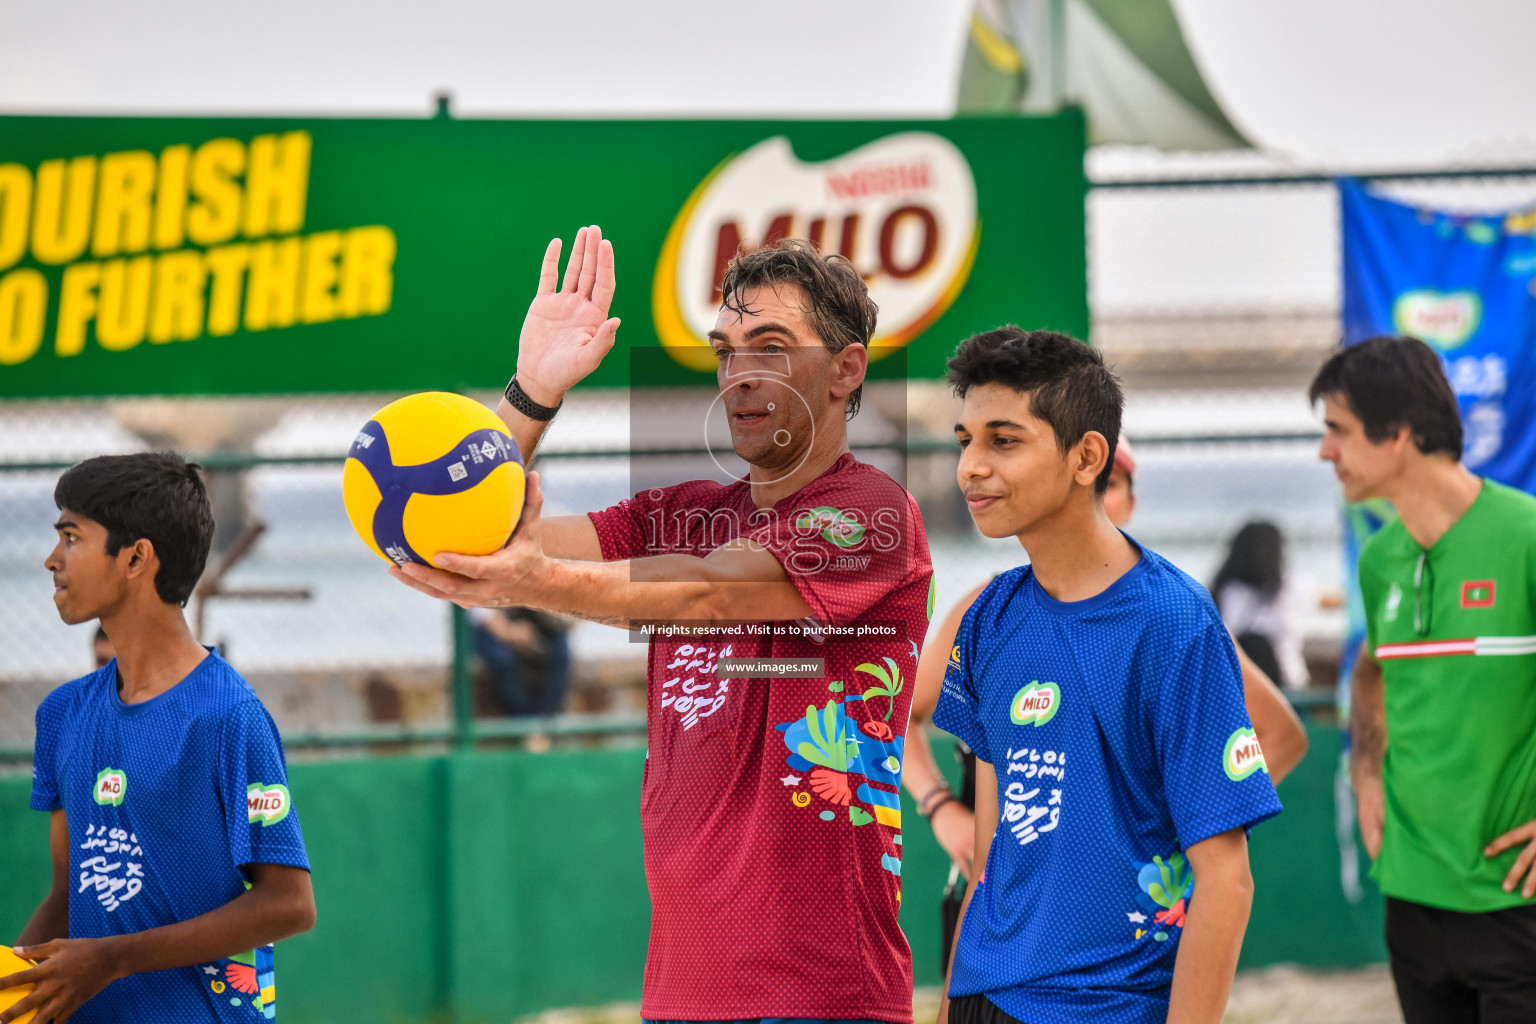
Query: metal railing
<point x="1311" y="178"/>
<point x="225" y="462"/>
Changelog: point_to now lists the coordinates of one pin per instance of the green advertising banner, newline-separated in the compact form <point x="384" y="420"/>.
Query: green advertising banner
<point x="263" y="256"/>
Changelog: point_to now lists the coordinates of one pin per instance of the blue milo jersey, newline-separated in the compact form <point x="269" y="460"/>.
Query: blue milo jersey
<point x="166" y="801"/>
<point x="1118" y="732"/>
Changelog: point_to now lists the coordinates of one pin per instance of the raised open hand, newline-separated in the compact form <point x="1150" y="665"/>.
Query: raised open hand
<point x="568" y="332"/>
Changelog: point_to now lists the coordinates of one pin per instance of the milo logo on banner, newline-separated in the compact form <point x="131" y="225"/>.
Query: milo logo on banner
<point x="1035" y="704"/>
<point x="267" y="804"/>
<point x="1243" y="756"/>
<point x="1444" y="319"/>
<point x="902" y="208"/>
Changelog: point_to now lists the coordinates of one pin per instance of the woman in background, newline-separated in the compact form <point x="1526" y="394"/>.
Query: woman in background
<point x="1250" y="592"/>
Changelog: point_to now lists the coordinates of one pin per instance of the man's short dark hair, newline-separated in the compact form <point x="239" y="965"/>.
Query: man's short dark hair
<point x="1391" y="383"/>
<point x="841" y="311"/>
<point x="154" y="496"/>
<point x="1068" y="384"/>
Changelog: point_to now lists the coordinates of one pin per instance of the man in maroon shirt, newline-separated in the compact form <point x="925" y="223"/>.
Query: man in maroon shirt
<point x="770" y="805"/>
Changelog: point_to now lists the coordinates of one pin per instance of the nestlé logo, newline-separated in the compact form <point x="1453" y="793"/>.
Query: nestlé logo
<point x="1035" y="704"/>
<point x="902" y="208"/>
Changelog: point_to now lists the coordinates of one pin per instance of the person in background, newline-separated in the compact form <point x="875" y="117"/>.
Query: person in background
<point x="1250" y="589"/>
<point x="528" y="656"/>
<point x="1443" y="713"/>
<point x="950" y="814"/>
<point x="101" y="648"/>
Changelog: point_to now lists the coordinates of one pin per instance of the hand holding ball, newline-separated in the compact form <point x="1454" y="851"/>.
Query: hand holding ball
<point x="10" y="964"/>
<point x="431" y="473"/>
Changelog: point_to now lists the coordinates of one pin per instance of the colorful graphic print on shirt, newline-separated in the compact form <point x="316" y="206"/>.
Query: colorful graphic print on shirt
<point x="246" y="979"/>
<point x="855" y="770"/>
<point x="1163" y="890"/>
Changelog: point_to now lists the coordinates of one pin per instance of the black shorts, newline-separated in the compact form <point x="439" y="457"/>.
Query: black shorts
<point x="977" y="1010"/>
<point x="1456" y="968"/>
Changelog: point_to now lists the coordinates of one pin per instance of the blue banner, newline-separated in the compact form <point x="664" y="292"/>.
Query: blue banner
<point x="1462" y="284"/>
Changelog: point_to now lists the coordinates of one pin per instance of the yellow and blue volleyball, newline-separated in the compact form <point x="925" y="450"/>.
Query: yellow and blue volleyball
<point x="10" y="963"/>
<point x="431" y="473"/>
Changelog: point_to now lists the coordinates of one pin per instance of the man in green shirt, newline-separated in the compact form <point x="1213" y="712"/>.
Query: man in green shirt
<point x="1443" y="716"/>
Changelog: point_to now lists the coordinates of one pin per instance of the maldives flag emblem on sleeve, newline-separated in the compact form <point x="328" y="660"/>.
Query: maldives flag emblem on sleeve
<point x="1477" y="594"/>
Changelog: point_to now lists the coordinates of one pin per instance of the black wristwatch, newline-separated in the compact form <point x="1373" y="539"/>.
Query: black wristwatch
<point x="518" y="399"/>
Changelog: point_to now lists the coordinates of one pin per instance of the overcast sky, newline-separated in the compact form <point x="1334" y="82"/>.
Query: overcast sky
<point x="1321" y="81"/>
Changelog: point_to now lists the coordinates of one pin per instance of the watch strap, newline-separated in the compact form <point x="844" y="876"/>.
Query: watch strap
<point x="518" y="399"/>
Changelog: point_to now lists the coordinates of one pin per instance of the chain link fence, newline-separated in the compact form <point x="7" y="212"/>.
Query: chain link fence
<point x="1215" y="282"/>
<point x="306" y="612"/>
<point x="1216" y="300"/>
<point x="332" y="644"/>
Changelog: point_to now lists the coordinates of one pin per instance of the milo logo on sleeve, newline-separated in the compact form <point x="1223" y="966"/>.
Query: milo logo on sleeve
<point x="267" y="804"/>
<point x="1035" y="704"/>
<point x="1243" y="755"/>
<point x="111" y="785"/>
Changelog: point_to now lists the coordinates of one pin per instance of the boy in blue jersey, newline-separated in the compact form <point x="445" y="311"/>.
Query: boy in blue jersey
<point x="177" y="855"/>
<point x="1117" y="770"/>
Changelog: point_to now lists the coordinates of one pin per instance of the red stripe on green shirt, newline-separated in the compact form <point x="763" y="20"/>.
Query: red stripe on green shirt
<point x="1477" y="645"/>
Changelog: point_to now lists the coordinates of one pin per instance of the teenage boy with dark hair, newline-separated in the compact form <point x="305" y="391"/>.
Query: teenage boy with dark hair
<point x="177" y="856"/>
<point x="1101" y="694"/>
<point x="951" y="815"/>
<point x="1443" y="712"/>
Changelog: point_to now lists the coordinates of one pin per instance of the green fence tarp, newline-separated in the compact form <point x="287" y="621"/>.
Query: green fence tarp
<point x="479" y="887"/>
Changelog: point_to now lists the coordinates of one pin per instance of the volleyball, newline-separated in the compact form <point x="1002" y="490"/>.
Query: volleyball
<point x="431" y="473"/>
<point x="10" y="963"/>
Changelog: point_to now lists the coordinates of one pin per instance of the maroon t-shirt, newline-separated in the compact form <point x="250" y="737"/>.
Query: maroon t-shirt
<point x="771" y="807"/>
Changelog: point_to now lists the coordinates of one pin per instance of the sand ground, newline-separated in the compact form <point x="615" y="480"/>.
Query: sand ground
<point x="1274" y="995"/>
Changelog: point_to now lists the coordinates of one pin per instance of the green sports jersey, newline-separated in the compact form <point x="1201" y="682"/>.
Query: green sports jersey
<point x="1454" y="628"/>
